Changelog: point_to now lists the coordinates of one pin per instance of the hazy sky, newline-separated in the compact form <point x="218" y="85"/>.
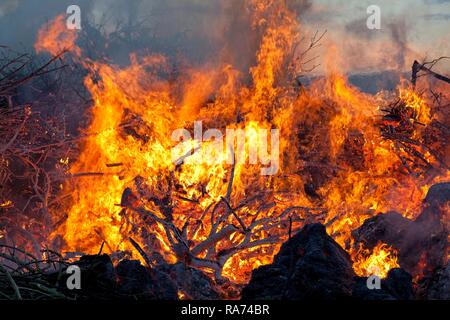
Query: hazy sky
<point x="420" y="27"/>
<point x="410" y="29"/>
<point x="426" y="20"/>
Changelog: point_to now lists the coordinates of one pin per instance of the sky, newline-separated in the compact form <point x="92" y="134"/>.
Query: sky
<point x="410" y="29"/>
<point x="420" y="29"/>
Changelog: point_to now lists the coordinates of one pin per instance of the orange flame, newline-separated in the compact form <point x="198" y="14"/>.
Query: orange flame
<point x="6" y="204"/>
<point x="54" y="37"/>
<point x="419" y="108"/>
<point x="378" y="262"/>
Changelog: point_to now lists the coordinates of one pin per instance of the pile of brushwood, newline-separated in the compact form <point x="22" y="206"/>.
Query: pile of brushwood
<point x="23" y="276"/>
<point x="38" y="134"/>
<point x="310" y="265"/>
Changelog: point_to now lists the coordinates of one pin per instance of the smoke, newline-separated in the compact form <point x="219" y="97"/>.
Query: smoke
<point x="8" y="6"/>
<point x="387" y="49"/>
<point x="199" y="31"/>
<point x="399" y="35"/>
<point x="358" y="28"/>
<point x="300" y="7"/>
<point x="220" y="31"/>
<point x="409" y="31"/>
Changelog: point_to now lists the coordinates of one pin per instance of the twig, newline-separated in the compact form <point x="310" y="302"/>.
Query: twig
<point x="244" y="228"/>
<point x="12" y="283"/>
<point x="141" y="251"/>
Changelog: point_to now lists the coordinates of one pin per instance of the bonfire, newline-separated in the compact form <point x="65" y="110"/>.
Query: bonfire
<point x="208" y="183"/>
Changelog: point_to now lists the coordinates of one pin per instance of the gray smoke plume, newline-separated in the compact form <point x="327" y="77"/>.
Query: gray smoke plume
<point x="199" y="31"/>
<point x="399" y="35"/>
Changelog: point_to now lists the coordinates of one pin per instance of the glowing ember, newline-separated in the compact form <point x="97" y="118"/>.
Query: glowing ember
<point x="6" y="204"/>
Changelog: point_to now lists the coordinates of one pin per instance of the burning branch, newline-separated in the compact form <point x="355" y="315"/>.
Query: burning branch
<point x="206" y="253"/>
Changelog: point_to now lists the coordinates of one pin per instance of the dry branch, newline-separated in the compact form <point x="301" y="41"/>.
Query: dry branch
<point x="426" y="66"/>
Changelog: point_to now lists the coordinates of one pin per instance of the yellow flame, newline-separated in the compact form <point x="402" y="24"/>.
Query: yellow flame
<point x="378" y="262"/>
<point x="6" y="204"/>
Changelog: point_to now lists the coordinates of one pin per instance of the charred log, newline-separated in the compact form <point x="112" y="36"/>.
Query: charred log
<point x="397" y="286"/>
<point x="311" y="265"/>
<point x="437" y="286"/>
<point x="131" y="280"/>
<point x="136" y="281"/>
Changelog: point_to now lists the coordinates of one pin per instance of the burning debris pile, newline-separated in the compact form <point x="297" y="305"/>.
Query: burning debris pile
<point x="421" y="244"/>
<point x="313" y="265"/>
<point x="357" y="186"/>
